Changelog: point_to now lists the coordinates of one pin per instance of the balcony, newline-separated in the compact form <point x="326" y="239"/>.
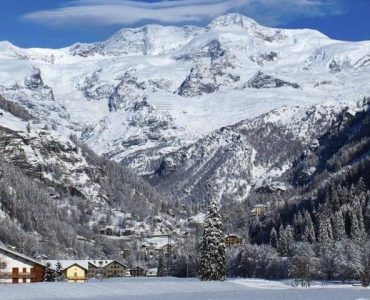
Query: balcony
<point x="25" y="274"/>
<point x="72" y="278"/>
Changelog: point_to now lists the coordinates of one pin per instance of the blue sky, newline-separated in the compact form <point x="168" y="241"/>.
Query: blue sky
<point x="59" y="23"/>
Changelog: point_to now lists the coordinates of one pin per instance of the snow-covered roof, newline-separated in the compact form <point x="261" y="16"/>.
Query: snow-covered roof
<point x="68" y="263"/>
<point x="138" y="267"/>
<point x="6" y="251"/>
<point x="159" y="242"/>
<point x="232" y="235"/>
<point x="261" y="205"/>
<point x="105" y="263"/>
<point x="84" y="263"/>
<point x="108" y="227"/>
<point x="100" y="262"/>
<point x="351" y="112"/>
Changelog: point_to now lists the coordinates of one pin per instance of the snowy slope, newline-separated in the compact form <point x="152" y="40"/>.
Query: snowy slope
<point x="250" y="155"/>
<point x="150" y="91"/>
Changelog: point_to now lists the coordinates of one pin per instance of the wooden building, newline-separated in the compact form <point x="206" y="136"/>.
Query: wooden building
<point x="138" y="272"/>
<point x="107" y="268"/>
<point x="109" y="231"/>
<point x="259" y="210"/>
<point x="96" y="268"/>
<point x="232" y="240"/>
<point x="18" y="268"/>
<point x="73" y="270"/>
<point x="76" y="273"/>
<point x="115" y="269"/>
<point x="87" y="269"/>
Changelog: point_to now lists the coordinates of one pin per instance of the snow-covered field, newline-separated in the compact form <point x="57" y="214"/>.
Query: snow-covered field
<point x="181" y="289"/>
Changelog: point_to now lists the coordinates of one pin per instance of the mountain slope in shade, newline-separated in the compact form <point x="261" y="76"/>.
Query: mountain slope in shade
<point x="56" y="194"/>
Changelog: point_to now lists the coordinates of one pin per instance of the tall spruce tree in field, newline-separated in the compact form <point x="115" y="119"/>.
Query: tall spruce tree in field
<point x="162" y="266"/>
<point x="213" y="259"/>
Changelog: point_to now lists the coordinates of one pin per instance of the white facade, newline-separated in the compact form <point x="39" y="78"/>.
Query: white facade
<point x="23" y="267"/>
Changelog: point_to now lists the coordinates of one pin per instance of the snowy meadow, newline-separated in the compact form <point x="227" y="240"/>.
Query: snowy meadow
<point x="181" y="289"/>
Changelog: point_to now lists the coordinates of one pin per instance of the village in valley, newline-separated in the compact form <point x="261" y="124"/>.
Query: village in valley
<point x="107" y="278"/>
<point x="18" y="268"/>
<point x="157" y="251"/>
<point x="153" y="257"/>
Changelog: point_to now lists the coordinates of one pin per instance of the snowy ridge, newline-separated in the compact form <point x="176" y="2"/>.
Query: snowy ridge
<point x="148" y="40"/>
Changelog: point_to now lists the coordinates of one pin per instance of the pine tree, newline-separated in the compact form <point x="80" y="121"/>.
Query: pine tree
<point x="289" y="235"/>
<point x="49" y="274"/>
<point x="59" y="276"/>
<point x="362" y="262"/>
<point x="298" y="224"/>
<point x="343" y="259"/>
<point x="357" y="221"/>
<point x="325" y="230"/>
<point x="273" y="238"/>
<point x="360" y="187"/>
<point x="162" y="266"/>
<point x="335" y="200"/>
<point x="282" y="246"/>
<point x="343" y="195"/>
<point x="309" y="231"/>
<point x="213" y="259"/>
<point x="360" y="217"/>
<point x="339" y="230"/>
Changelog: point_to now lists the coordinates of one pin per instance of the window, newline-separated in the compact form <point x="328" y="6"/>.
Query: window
<point x="24" y="270"/>
<point x="75" y="274"/>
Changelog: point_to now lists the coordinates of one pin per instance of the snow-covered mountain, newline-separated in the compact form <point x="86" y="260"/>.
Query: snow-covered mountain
<point x="158" y="95"/>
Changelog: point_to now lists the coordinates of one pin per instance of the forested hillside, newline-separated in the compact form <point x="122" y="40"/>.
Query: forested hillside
<point x="322" y="223"/>
<point x="56" y="194"/>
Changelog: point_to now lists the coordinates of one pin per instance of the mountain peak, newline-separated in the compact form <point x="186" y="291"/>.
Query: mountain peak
<point x="233" y="19"/>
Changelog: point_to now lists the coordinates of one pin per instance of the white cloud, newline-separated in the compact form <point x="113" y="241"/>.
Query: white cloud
<point x="123" y="12"/>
